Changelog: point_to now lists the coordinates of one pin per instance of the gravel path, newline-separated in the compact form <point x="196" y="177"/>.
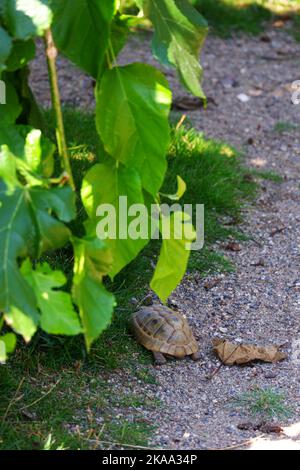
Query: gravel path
<point x="257" y="304"/>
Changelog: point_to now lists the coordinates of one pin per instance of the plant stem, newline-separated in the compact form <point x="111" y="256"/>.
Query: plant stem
<point x="51" y="54"/>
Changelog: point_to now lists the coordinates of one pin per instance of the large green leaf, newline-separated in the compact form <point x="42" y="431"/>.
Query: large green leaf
<point x="5" y="48"/>
<point x="16" y="297"/>
<point x="81" y="31"/>
<point x="92" y="261"/>
<point x="104" y="184"/>
<point x="133" y="104"/>
<point x="179" y="35"/>
<point x="174" y="255"/>
<point x="27" y="18"/>
<point x="58" y="316"/>
<point x="28" y="227"/>
<point x="31" y="146"/>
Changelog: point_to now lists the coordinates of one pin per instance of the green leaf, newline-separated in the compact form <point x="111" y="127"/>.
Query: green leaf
<point x="92" y="261"/>
<point x="12" y="109"/>
<point x="174" y="255"/>
<point x="22" y="53"/>
<point x="52" y="234"/>
<point x="134" y="127"/>
<point x="181" y="188"/>
<point x="17" y="300"/>
<point x="38" y="151"/>
<point x="31" y="146"/>
<point x="28" y="227"/>
<point x="179" y="35"/>
<point x="27" y="18"/>
<point x="5" y="48"/>
<point x="104" y="184"/>
<point x="7" y="345"/>
<point x="81" y="31"/>
<point x="21" y="321"/>
<point x="10" y="341"/>
<point x="8" y="168"/>
<point x="58" y="316"/>
<point x="120" y="28"/>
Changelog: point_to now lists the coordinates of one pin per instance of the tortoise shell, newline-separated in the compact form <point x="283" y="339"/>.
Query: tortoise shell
<point x="163" y="330"/>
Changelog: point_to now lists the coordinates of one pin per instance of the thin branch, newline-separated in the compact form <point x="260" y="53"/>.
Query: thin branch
<point x="40" y="398"/>
<point x="51" y="54"/>
<point x="13" y="400"/>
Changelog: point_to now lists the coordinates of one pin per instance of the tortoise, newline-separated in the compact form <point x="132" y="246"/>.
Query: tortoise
<point x="164" y="332"/>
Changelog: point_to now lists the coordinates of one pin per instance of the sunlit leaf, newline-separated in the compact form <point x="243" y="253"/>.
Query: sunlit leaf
<point x="7" y="345"/>
<point x="92" y="262"/>
<point x="181" y="188"/>
<point x="180" y="31"/>
<point x="58" y="316"/>
<point x="31" y="146"/>
<point x="81" y="31"/>
<point x="104" y="184"/>
<point x="28" y="227"/>
<point x="134" y="127"/>
<point x="174" y="255"/>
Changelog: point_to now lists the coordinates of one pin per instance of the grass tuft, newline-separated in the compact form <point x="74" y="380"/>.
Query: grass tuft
<point x="283" y="126"/>
<point x="266" y="403"/>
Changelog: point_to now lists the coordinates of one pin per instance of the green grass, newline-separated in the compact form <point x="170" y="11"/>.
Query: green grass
<point x="283" y="126"/>
<point x="52" y="392"/>
<point x="266" y="403"/>
<point x="226" y="17"/>
<point x="208" y="261"/>
<point x="64" y="395"/>
<point x="267" y="175"/>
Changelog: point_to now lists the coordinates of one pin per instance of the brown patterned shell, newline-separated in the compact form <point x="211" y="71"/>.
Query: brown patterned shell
<point x="161" y="329"/>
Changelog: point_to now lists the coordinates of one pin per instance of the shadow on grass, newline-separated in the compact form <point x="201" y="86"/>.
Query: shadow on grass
<point x="226" y="17"/>
<point x="230" y="16"/>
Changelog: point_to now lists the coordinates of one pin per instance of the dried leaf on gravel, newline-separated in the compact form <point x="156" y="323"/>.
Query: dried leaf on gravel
<point x="231" y="353"/>
<point x="269" y="428"/>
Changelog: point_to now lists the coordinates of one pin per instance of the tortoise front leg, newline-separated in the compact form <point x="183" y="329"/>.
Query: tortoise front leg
<point x="196" y="356"/>
<point x="159" y="358"/>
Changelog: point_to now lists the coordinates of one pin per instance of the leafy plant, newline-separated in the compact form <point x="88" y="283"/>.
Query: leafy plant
<point x="38" y="195"/>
